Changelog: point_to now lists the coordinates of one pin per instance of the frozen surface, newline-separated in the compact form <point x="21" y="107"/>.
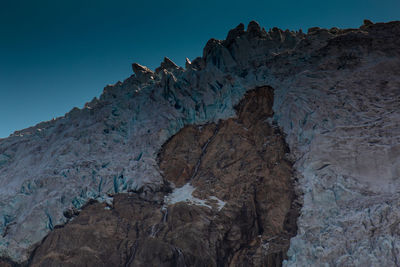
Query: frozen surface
<point x="346" y="131"/>
<point x="337" y="98"/>
<point x="185" y="194"/>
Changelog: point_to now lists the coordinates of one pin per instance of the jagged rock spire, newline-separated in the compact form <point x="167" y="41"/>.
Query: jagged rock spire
<point x="142" y="72"/>
<point x="254" y="30"/>
<point x="167" y="64"/>
<point x="234" y="33"/>
<point x="187" y="63"/>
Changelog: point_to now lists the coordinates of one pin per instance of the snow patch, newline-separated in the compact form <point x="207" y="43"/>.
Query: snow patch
<point x="185" y="194"/>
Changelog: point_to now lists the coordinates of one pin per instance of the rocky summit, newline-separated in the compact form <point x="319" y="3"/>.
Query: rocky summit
<point x="273" y="148"/>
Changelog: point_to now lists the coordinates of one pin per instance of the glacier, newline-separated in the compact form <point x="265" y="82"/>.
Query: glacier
<point x="337" y="99"/>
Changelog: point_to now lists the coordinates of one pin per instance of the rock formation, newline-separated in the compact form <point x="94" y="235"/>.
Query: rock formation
<point x="238" y="171"/>
<point x="336" y="101"/>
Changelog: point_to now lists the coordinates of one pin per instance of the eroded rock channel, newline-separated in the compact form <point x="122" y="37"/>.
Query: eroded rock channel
<point x="228" y="200"/>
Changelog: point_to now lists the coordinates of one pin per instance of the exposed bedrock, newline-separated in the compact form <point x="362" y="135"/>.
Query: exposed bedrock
<point x="7" y="263"/>
<point x="233" y="203"/>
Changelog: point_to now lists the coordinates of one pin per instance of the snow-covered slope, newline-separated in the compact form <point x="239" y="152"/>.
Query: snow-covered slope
<point x="337" y="97"/>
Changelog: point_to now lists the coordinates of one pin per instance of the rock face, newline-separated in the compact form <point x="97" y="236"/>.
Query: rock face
<point x="336" y="99"/>
<point x="240" y="174"/>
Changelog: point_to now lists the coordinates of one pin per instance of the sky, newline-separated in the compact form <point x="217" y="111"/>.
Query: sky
<point x="56" y="55"/>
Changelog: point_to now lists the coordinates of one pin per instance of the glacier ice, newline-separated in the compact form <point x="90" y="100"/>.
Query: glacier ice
<point x="336" y="98"/>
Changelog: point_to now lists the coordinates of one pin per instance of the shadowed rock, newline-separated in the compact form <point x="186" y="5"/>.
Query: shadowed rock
<point x="142" y="73"/>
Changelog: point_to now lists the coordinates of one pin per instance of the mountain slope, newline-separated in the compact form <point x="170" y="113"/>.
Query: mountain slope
<point x="336" y="97"/>
<point x="233" y="204"/>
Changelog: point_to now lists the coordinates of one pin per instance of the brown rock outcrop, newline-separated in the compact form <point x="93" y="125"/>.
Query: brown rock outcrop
<point x="6" y="263"/>
<point x="242" y="162"/>
<point x="238" y="167"/>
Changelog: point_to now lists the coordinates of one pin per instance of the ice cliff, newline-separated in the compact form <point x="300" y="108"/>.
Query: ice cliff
<point x="336" y="97"/>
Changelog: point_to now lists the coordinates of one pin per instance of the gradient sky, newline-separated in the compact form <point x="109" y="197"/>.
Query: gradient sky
<point x="55" y="55"/>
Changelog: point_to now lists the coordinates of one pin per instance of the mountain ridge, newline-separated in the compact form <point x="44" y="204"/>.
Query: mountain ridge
<point x="317" y="77"/>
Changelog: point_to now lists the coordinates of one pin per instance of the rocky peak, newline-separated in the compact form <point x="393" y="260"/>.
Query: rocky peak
<point x="254" y="30"/>
<point x="168" y="65"/>
<point x="235" y="33"/>
<point x="143" y="74"/>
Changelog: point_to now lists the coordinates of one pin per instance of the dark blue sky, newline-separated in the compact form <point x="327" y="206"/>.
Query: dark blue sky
<point x="55" y="55"/>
